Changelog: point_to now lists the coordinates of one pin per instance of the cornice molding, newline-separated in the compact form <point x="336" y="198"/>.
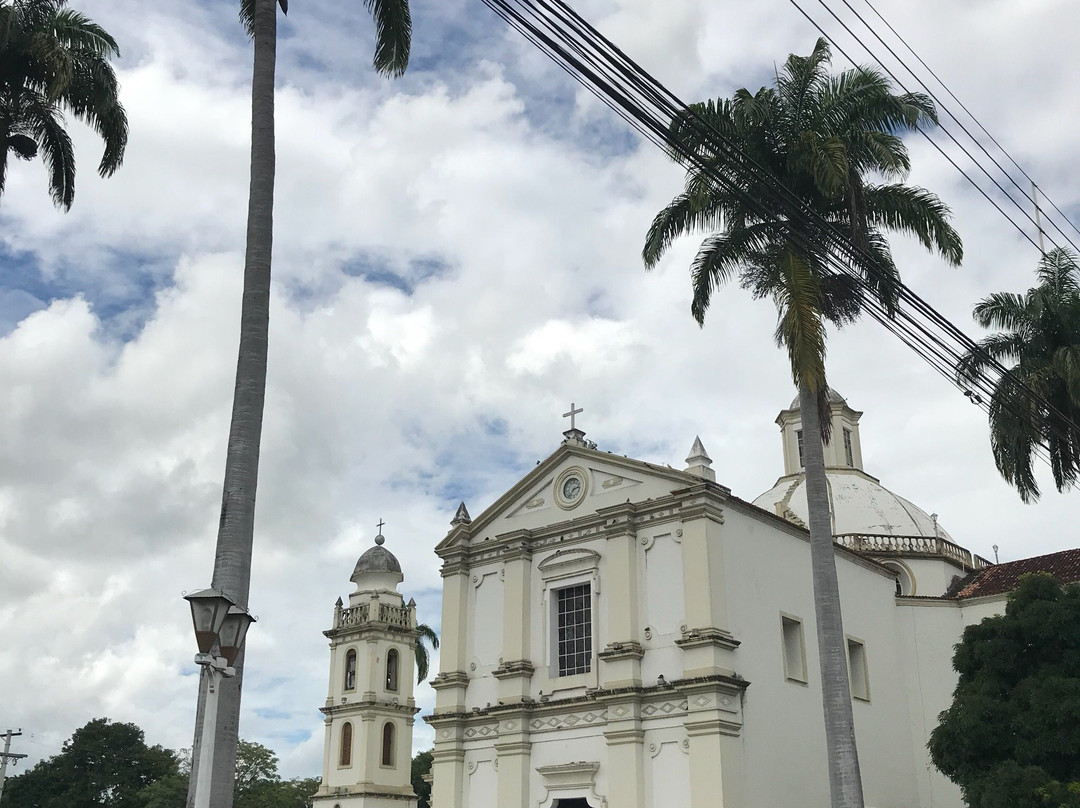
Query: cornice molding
<point x="515" y="669"/>
<point x="708" y="635"/>
<point x="630" y="649"/>
<point x="450" y="679"/>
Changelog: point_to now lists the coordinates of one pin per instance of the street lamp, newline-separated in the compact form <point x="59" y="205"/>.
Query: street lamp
<point x="220" y="625"/>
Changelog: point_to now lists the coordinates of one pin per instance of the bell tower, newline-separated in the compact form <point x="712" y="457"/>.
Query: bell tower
<point x="370" y="707"/>
<point x="844" y="451"/>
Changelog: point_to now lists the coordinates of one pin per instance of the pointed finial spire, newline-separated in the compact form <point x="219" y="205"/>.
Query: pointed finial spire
<point x="340" y="602"/>
<point x="698" y="462"/>
<point x="462" y="516"/>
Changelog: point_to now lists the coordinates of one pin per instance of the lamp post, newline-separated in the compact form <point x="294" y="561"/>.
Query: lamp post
<point x="220" y="626"/>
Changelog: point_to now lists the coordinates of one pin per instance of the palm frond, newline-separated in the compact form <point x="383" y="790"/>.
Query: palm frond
<point x="801" y="329"/>
<point x="1058" y="272"/>
<point x="686" y="213"/>
<point x="393" y="35"/>
<point x="47" y="128"/>
<point x="247" y="14"/>
<point x="1066" y="364"/>
<point x="995" y="349"/>
<point x="719" y="258"/>
<point x="1003" y="310"/>
<point x="918" y="212"/>
<point x="426" y="634"/>
<point x="78" y="32"/>
<point x="1015" y="431"/>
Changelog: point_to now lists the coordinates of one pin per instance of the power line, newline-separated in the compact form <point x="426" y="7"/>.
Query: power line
<point x="967" y="111"/>
<point x="649" y="107"/>
<point x="941" y="105"/>
<point x="923" y="132"/>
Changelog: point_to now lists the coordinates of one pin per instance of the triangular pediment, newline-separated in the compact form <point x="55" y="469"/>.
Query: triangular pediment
<point x="573" y="481"/>
<point x="557" y="491"/>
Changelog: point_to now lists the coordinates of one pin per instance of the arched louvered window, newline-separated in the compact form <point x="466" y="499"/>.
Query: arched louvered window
<point x="388" y="744"/>
<point x="345" y="758"/>
<point x="392" y="670"/>
<point x="350" y="670"/>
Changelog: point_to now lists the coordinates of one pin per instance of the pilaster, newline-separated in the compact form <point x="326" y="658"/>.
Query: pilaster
<point x="515" y="672"/>
<point x="448" y="761"/>
<point x="713" y="726"/>
<point x="625" y="740"/>
<point x="621" y="658"/>
<point x="451" y="682"/>
<point x="513" y="751"/>
<point x="706" y="643"/>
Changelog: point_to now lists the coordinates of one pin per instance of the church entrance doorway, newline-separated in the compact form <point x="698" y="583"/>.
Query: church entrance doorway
<point x="576" y="802"/>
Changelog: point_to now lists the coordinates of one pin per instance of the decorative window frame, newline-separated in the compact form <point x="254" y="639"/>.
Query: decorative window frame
<point x="351" y="650"/>
<point x="860" y="665"/>
<point x="561" y="570"/>
<point x="347" y="764"/>
<point x="898" y="566"/>
<point x="395" y="679"/>
<point x="796" y="673"/>
<point x="393" y="745"/>
<point x="567" y="781"/>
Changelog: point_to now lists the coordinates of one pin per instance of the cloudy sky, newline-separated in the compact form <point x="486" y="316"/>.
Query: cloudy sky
<point x="456" y="260"/>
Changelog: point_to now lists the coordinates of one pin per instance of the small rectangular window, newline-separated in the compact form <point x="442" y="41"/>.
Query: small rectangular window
<point x="573" y="609"/>
<point x="848" y="454"/>
<point x="858" y="674"/>
<point x="798" y="437"/>
<point x="791" y="629"/>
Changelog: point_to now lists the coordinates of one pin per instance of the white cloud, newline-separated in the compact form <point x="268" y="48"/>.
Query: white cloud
<point x="452" y="270"/>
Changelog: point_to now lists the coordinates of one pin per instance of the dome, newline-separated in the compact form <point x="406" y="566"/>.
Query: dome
<point x="859" y="504"/>
<point x="833" y="397"/>
<point x="377" y="559"/>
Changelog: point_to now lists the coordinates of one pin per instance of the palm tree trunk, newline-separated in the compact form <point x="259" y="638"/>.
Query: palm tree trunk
<point x="845" y="781"/>
<point x="232" y="561"/>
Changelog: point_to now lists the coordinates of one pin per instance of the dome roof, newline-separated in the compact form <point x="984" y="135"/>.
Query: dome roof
<point x="377" y="559"/>
<point x="833" y="398"/>
<point x="859" y="504"/>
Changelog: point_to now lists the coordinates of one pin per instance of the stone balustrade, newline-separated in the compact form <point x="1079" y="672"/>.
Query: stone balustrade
<point x="911" y="545"/>
<point x="371" y="612"/>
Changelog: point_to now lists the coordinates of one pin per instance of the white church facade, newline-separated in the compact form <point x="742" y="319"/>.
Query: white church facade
<point x="619" y="634"/>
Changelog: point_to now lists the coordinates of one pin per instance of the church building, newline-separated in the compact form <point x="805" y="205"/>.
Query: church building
<point x="619" y="634"/>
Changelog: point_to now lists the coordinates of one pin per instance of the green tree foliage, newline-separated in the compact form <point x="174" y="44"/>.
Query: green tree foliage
<point x="102" y="765"/>
<point x="53" y="60"/>
<point x="1011" y="738"/>
<point x="1039" y="341"/>
<point x="258" y="784"/>
<point x="421" y="765"/>
<point x="427" y="636"/>
<point x="168" y="792"/>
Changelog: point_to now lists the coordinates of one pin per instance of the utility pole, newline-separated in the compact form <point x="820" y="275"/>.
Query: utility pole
<point x="8" y="755"/>
<point x="1038" y="216"/>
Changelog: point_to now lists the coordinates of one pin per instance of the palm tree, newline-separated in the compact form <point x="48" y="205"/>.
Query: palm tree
<point x="232" y="561"/>
<point x="55" y="60"/>
<point x="423" y="657"/>
<point x="1040" y="340"/>
<point x="819" y="136"/>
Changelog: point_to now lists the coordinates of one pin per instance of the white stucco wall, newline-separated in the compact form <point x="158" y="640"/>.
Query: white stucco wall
<point x="784" y="728"/>
<point x="760" y="570"/>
